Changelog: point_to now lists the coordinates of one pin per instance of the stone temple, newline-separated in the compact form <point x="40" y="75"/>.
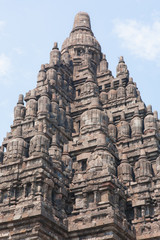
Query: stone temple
<point x="82" y="159"/>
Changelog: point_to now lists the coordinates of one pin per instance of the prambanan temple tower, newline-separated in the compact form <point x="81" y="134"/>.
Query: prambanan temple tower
<point x="82" y="159"/>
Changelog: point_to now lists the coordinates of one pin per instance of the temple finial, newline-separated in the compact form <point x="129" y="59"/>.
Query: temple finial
<point x="82" y="21"/>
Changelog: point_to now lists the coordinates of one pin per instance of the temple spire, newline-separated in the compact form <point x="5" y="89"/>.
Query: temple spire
<point x="82" y="21"/>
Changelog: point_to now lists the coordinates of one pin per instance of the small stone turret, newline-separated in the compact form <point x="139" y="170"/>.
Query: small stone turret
<point x="131" y="89"/>
<point x="19" y="110"/>
<point x="44" y="103"/>
<point x="55" y="152"/>
<point x="82" y="40"/>
<point x="103" y="64"/>
<point x="62" y="115"/>
<point x="121" y="69"/>
<point x="17" y="147"/>
<point x="143" y="171"/>
<point x="32" y="105"/>
<point x="55" y="55"/>
<point x="101" y="159"/>
<point x="125" y="170"/>
<point x="66" y="57"/>
<point x="112" y="95"/>
<point x="136" y="124"/>
<point x="123" y="128"/>
<point x="69" y="121"/>
<point x="52" y="75"/>
<point x="112" y="130"/>
<point x="120" y="90"/>
<point x="94" y="117"/>
<point x="89" y="88"/>
<point x="149" y="121"/>
<point x="82" y="21"/>
<point x="54" y="108"/>
<point x="39" y="144"/>
<point x="41" y="76"/>
<point x="67" y="160"/>
<point x="103" y="96"/>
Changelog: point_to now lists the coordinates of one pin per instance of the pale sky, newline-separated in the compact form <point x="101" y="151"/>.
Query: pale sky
<point x="28" y="29"/>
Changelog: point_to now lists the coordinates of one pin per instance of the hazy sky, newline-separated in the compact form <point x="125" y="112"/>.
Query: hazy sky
<point x="28" y="29"/>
